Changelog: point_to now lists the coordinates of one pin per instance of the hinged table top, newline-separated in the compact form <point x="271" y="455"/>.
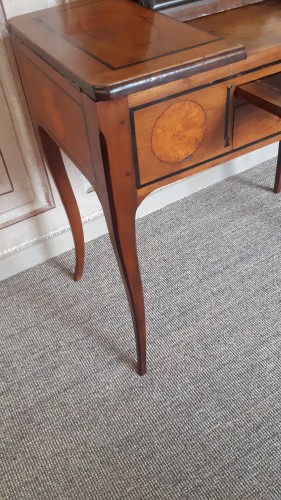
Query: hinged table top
<point x="115" y="47"/>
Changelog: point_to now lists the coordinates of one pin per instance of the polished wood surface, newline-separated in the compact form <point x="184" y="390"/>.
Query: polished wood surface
<point x="60" y="114"/>
<point x="203" y="134"/>
<point x="192" y="10"/>
<point x="118" y="196"/>
<point x="130" y="130"/>
<point x="178" y="132"/>
<point x="256" y="27"/>
<point x="57" y="107"/>
<point x="116" y="47"/>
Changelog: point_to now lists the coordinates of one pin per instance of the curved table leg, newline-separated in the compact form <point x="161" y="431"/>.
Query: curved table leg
<point x="118" y="196"/>
<point x="277" y="185"/>
<point x="121" y="227"/>
<point x="59" y="174"/>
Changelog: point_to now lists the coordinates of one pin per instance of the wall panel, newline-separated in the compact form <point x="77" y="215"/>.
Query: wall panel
<point x="30" y="209"/>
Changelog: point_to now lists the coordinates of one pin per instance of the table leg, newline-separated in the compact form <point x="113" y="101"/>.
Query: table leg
<point x="277" y="185"/>
<point x="121" y="227"/>
<point x="109" y="127"/>
<point x="59" y="174"/>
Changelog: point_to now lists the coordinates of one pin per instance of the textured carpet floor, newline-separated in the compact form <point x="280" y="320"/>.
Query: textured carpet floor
<point x="205" y="423"/>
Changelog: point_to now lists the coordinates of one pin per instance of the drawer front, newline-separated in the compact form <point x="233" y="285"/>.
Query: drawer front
<point x="181" y="132"/>
<point x="58" y="108"/>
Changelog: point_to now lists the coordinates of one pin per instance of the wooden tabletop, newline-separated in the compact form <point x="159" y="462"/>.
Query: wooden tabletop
<point x="115" y="47"/>
<point x="257" y="27"/>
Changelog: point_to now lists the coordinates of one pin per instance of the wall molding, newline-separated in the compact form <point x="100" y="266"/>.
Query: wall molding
<point x="32" y="194"/>
<point x="8" y="185"/>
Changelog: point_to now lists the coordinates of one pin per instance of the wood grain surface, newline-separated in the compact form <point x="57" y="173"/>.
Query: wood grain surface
<point x="116" y="47"/>
<point x="57" y="106"/>
<point x="179" y="131"/>
<point x="256" y="26"/>
<point x="192" y="10"/>
<point x="165" y="141"/>
<point x="116" y="188"/>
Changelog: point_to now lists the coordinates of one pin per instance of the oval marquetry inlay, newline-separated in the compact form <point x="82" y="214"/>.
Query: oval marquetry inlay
<point x="117" y="29"/>
<point x="179" y="131"/>
<point x="54" y="113"/>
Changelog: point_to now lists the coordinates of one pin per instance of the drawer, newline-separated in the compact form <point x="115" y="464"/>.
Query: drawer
<point x="177" y="133"/>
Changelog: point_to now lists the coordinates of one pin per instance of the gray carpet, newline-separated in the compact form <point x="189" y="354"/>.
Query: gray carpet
<point x="205" y="423"/>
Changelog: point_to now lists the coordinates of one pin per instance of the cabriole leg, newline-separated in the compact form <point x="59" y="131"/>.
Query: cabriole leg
<point x="117" y="192"/>
<point x="122" y="234"/>
<point x="59" y="174"/>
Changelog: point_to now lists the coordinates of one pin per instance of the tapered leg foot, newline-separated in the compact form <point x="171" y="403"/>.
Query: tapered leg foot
<point x="277" y="184"/>
<point x="59" y="174"/>
<point x="142" y="368"/>
<point x="123" y="239"/>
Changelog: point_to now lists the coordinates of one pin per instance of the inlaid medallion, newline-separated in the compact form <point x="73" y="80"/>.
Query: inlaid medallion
<point x="179" y="131"/>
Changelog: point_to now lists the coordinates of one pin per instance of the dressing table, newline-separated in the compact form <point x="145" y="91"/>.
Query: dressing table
<point x="139" y="96"/>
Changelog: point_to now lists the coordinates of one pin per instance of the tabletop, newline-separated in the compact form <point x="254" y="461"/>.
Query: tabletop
<point x="115" y="47"/>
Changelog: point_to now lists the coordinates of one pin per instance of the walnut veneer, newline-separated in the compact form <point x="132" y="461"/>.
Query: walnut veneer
<point x="138" y="100"/>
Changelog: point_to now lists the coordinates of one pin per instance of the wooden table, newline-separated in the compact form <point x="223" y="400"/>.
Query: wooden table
<point x="138" y="100"/>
